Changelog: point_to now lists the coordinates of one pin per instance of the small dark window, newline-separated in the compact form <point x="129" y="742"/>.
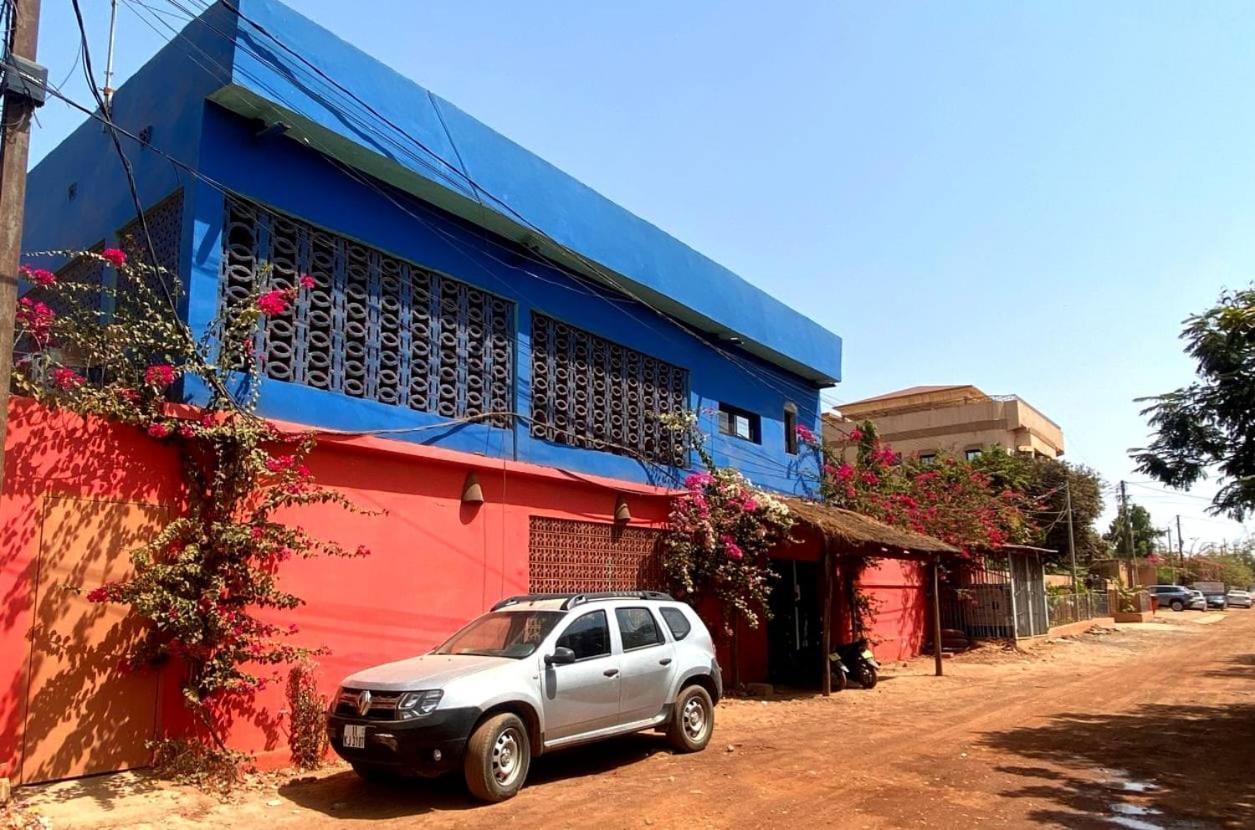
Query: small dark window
<point x="790" y="429"/>
<point x="927" y="457"/>
<point x="589" y="636"/>
<point x="973" y="454"/>
<point x="677" y="622"/>
<point x="739" y="423"/>
<point x="637" y="628"/>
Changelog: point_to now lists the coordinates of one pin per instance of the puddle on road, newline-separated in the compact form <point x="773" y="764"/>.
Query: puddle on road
<point x="1135" y="816"/>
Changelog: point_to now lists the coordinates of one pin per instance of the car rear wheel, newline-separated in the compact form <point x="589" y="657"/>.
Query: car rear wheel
<point x="692" y="720"/>
<point x="1178" y="605"/>
<point x="498" y="756"/>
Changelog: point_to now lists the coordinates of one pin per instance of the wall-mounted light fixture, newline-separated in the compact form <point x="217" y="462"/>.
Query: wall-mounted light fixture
<point x="621" y="511"/>
<point x="472" y="493"/>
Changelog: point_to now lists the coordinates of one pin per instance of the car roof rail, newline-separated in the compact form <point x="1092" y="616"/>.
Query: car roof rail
<point x="573" y="599"/>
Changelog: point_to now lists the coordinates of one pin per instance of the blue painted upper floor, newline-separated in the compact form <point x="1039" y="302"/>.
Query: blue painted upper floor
<point x="467" y="294"/>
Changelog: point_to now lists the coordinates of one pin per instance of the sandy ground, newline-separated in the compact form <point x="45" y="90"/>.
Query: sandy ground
<point x="1148" y="726"/>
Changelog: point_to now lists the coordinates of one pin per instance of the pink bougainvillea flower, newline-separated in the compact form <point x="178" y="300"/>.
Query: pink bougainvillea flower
<point x="36" y="318"/>
<point x="38" y="276"/>
<point x="696" y="480"/>
<point x="731" y="548"/>
<point x="158" y="430"/>
<point x="114" y="256"/>
<point x="100" y="594"/>
<point x="186" y="432"/>
<point x="279" y="464"/>
<point x="804" y="434"/>
<point x="66" y="379"/>
<point x="307" y="281"/>
<point x="273" y="302"/>
<point x="855" y="434"/>
<point x="129" y="395"/>
<point x="160" y="375"/>
<point x="845" y="472"/>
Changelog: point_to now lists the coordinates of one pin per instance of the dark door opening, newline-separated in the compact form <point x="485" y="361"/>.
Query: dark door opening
<point x="793" y="632"/>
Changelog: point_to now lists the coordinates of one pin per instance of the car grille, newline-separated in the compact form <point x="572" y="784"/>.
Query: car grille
<point x="383" y="705"/>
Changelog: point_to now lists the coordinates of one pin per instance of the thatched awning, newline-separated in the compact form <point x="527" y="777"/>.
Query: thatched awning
<point x="848" y="529"/>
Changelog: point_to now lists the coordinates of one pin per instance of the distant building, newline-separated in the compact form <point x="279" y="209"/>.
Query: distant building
<point x="921" y="421"/>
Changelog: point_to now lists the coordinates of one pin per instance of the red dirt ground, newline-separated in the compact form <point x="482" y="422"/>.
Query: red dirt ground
<point x="1151" y="726"/>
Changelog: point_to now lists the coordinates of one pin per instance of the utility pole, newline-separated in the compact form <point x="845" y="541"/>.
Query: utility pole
<point x="1067" y="491"/>
<point x="1128" y="523"/>
<point x="1180" y="544"/>
<point x="23" y="89"/>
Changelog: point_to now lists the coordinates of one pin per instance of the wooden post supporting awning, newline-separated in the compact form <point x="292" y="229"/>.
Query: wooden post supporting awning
<point x="845" y="533"/>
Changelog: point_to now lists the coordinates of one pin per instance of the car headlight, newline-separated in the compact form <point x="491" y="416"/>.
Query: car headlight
<point x="417" y="704"/>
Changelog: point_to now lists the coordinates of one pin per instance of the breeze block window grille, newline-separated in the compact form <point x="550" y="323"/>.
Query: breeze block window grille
<point x="589" y="392"/>
<point x="165" y="229"/>
<point x="567" y="555"/>
<point x="373" y="326"/>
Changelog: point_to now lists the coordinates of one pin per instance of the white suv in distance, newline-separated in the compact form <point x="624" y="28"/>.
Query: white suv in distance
<point x="536" y="673"/>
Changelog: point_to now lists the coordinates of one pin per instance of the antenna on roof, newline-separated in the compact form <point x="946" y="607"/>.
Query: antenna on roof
<point x="107" y="89"/>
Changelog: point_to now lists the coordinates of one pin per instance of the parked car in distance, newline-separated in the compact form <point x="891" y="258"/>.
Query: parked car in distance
<point x="1215" y="600"/>
<point x="1239" y="599"/>
<point x="1177" y="597"/>
<point x="536" y="673"/>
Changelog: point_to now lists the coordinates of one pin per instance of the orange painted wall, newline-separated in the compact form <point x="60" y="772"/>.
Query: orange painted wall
<point x="435" y="563"/>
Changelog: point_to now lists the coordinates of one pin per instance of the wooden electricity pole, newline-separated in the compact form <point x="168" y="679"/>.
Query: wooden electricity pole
<point x="23" y="92"/>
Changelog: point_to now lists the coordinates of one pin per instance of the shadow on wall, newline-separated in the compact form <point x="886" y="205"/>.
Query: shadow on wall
<point x="1184" y="762"/>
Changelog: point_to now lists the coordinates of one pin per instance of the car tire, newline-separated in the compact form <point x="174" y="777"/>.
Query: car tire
<point x="1178" y="605"/>
<point x="498" y="756"/>
<point x="692" y="720"/>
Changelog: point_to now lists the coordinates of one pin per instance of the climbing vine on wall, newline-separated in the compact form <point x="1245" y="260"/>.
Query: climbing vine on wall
<point x="206" y="584"/>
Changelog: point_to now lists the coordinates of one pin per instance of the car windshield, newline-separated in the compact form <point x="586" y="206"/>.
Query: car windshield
<point x="513" y="634"/>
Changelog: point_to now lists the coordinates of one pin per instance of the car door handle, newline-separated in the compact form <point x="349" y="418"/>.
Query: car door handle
<point x="610" y="672"/>
<point x="666" y="661"/>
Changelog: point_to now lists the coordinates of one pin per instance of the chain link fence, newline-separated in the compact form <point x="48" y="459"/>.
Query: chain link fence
<point x="1064" y="609"/>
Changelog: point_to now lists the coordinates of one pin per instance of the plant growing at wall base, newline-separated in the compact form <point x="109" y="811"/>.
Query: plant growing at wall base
<point x="206" y="584"/>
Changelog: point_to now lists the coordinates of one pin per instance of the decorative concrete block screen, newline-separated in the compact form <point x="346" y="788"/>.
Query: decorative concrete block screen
<point x="590" y="392"/>
<point x="374" y="326"/>
<point x="567" y="555"/>
<point x="165" y="229"/>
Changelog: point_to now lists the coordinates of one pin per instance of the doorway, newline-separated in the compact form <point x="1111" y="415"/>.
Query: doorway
<point x="793" y="632"/>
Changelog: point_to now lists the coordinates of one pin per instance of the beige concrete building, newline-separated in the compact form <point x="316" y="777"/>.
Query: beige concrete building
<point x="921" y="421"/>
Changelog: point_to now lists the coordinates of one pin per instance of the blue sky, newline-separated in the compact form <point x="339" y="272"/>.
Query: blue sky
<point x="1027" y="197"/>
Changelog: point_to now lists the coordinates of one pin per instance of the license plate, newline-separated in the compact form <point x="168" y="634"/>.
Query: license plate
<point x="354" y="736"/>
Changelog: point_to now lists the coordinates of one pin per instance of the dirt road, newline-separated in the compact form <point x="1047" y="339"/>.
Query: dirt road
<point x="1152" y="726"/>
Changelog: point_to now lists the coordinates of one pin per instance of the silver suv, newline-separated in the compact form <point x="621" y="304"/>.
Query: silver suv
<point x="537" y="673"/>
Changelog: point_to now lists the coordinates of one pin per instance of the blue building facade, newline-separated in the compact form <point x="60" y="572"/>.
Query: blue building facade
<point x="467" y="294"/>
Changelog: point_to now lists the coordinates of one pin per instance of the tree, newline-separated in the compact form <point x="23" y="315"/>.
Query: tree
<point x="1044" y="483"/>
<point x="1145" y="534"/>
<point x="1207" y="426"/>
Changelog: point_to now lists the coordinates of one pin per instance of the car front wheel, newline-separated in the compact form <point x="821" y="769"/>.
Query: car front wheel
<point x="692" y="721"/>
<point x="1177" y="605"/>
<point x="498" y="756"/>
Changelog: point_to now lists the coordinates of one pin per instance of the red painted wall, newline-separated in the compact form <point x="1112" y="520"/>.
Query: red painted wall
<point x="435" y="562"/>
<point x="900" y="603"/>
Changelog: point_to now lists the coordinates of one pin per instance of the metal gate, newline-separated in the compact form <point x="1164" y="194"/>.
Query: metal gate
<point x="1028" y="589"/>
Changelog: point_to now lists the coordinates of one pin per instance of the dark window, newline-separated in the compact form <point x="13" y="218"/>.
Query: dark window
<point x="790" y="431"/>
<point x="972" y="454"/>
<point x="589" y="392"/>
<point x="927" y="457"/>
<point x="637" y="628"/>
<point x="740" y="423"/>
<point x="372" y="326"/>
<point x="677" y="622"/>
<point x="589" y="636"/>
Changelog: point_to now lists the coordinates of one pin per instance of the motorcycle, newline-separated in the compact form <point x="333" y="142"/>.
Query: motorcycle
<point x="853" y="661"/>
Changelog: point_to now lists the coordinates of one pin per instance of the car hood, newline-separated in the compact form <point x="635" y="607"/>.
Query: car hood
<point x="431" y="671"/>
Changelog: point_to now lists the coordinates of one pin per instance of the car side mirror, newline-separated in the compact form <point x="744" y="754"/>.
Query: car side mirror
<point x="561" y="656"/>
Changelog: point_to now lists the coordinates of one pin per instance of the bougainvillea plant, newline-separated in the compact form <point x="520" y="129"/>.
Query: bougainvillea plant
<point x="206" y="584"/>
<point x="947" y="498"/>
<point x="721" y="532"/>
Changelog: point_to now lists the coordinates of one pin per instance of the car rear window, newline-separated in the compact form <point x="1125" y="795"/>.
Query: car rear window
<point x="677" y="622"/>
<point x="637" y="628"/>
